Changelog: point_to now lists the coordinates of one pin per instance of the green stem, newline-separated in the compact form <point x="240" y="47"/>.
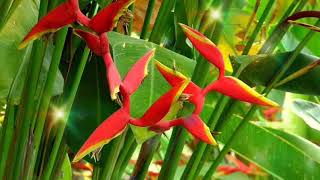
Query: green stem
<point x="46" y="97"/>
<point x="173" y="153"/>
<point x="147" y="151"/>
<point x="147" y="19"/>
<point x="161" y="24"/>
<point x="124" y="151"/>
<point x="258" y="27"/>
<point x="4" y="9"/>
<point x="281" y="28"/>
<point x="277" y="76"/>
<point x="127" y="159"/>
<point x="8" y="136"/>
<point x="25" y="114"/>
<point x="67" y="109"/>
<point x="131" y="8"/>
<point x="112" y="157"/>
<point x="57" y="167"/>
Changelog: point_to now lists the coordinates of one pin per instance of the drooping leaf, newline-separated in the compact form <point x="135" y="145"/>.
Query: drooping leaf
<point x="11" y="58"/>
<point x="273" y="153"/>
<point x="308" y="111"/>
<point x="261" y="68"/>
<point x="66" y="170"/>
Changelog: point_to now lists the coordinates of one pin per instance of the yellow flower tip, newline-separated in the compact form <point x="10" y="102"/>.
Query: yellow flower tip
<point x="114" y="93"/>
<point x="184" y="27"/>
<point x="212" y="141"/>
<point x="272" y="103"/>
<point x="23" y="44"/>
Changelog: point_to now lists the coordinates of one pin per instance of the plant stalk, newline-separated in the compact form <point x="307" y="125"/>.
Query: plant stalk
<point x="67" y="109"/>
<point x="112" y="157"/>
<point x="147" y="151"/>
<point x="147" y="19"/>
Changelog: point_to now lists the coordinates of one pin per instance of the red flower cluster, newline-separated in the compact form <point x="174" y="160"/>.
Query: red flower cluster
<point x="226" y="85"/>
<point x="250" y="169"/>
<point x="154" y="118"/>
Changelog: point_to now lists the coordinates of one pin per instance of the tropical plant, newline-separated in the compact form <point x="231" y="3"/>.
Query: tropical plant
<point x="86" y="93"/>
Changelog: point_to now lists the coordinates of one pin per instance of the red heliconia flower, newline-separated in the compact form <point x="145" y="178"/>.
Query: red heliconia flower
<point x="226" y="85"/>
<point x="118" y="121"/>
<point x="250" y="169"/>
<point x="229" y="86"/>
<point x="69" y="12"/>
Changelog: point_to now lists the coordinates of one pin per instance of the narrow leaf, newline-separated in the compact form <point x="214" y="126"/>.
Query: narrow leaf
<point x="309" y="26"/>
<point x="308" y="111"/>
<point x="299" y="73"/>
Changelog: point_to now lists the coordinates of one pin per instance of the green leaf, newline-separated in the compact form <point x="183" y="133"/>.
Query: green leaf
<point x="308" y="111"/>
<point x="66" y="173"/>
<point x="11" y="35"/>
<point x="284" y="157"/>
<point x="261" y="68"/>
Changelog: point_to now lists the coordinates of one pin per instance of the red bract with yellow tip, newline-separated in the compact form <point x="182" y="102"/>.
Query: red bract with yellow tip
<point x="236" y="89"/>
<point x="205" y="47"/>
<point x="192" y="90"/>
<point x="107" y="18"/>
<point x="58" y="18"/>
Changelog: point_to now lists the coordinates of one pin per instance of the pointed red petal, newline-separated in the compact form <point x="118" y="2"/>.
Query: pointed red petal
<point x="137" y="73"/>
<point x="237" y="89"/>
<point x="174" y="78"/>
<point x="198" y="129"/>
<point x="107" y="18"/>
<point x="109" y="129"/>
<point x="92" y="40"/>
<point x="226" y="170"/>
<point x="242" y="167"/>
<point x="53" y="21"/>
<point x="205" y="47"/>
<point x="161" y="107"/>
<point x="113" y="76"/>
